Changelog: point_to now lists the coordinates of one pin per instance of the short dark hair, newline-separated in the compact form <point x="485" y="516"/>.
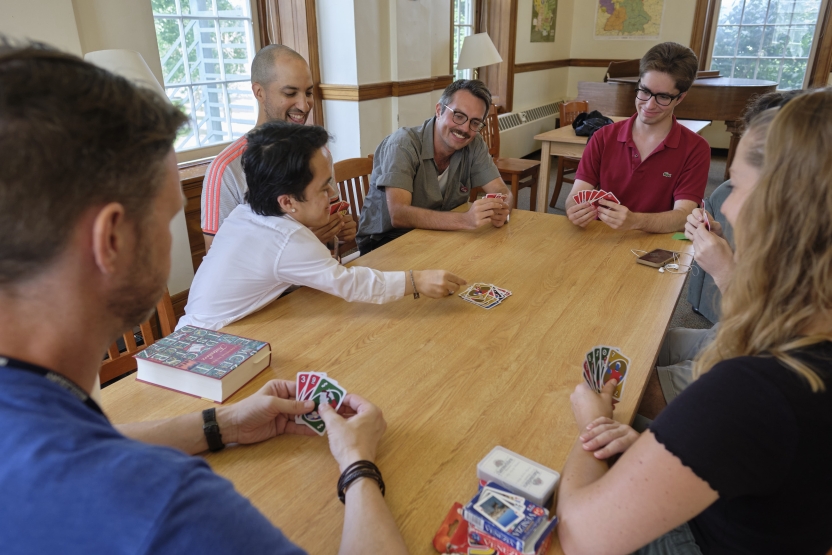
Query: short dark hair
<point x="73" y="136"/>
<point x="473" y="86"/>
<point x="276" y="162"/>
<point x="762" y="102"/>
<point x="674" y="59"/>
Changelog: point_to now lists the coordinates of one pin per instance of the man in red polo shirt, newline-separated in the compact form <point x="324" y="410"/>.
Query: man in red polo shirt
<point x="656" y="167"/>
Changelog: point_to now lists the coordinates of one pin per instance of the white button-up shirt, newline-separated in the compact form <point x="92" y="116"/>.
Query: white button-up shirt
<point x="254" y="259"/>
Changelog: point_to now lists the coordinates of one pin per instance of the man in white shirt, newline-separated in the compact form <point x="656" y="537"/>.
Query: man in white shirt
<point x="282" y="84"/>
<point x="266" y="245"/>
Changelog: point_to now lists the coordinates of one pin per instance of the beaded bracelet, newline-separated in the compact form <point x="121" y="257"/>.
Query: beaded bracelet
<point x="356" y="471"/>
<point x="413" y="282"/>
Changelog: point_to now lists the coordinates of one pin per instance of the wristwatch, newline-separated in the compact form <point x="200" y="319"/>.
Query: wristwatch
<point x="212" y="430"/>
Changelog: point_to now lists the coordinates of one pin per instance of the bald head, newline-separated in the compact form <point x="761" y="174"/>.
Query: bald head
<point x="282" y="84"/>
<point x="266" y="64"/>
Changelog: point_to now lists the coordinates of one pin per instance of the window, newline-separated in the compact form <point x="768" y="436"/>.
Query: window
<point x="463" y="26"/>
<point x="206" y="48"/>
<point x="765" y="39"/>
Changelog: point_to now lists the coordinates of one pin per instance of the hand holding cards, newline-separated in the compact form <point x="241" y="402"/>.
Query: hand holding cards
<point x="602" y="364"/>
<point x="321" y="389"/>
<point x="340" y="207"/>
<point x="593" y="196"/>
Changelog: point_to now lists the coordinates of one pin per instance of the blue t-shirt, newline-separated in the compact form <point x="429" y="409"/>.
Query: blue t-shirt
<point x="70" y="483"/>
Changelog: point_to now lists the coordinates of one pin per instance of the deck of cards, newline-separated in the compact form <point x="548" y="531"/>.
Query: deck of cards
<point x="321" y="389"/>
<point x="485" y="295"/>
<point x="593" y="196"/>
<point x="603" y="364"/>
<point x="500" y="196"/>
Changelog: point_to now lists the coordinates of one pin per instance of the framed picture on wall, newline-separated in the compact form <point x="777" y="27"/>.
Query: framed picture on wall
<point x="544" y="17"/>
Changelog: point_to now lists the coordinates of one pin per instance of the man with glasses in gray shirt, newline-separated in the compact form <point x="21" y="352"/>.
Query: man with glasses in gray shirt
<point x="422" y="173"/>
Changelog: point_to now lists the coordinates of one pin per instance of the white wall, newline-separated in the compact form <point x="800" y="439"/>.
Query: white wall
<point x="27" y="20"/>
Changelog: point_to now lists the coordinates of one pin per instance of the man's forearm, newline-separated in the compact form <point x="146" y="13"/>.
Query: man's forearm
<point x="180" y="432"/>
<point x="411" y="217"/>
<point x="368" y="524"/>
<point x="662" y="222"/>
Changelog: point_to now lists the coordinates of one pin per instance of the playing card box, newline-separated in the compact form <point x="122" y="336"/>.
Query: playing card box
<point x="537" y="544"/>
<point x="511" y="519"/>
<point x="519" y="475"/>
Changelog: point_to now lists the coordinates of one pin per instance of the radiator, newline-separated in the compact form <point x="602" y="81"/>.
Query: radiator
<point x="517" y="129"/>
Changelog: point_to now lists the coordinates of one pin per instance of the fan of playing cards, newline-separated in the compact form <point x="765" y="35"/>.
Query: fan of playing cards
<point x="321" y="389"/>
<point x="485" y="295"/>
<point x="603" y="364"/>
<point x="593" y="196"/>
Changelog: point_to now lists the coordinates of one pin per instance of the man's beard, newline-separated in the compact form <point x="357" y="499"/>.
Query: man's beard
<point x="133" y="301"/>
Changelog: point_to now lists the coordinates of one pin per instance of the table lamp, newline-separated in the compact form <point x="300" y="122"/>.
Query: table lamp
<point x="478" y="51"/>
<point x="128" y="64"/>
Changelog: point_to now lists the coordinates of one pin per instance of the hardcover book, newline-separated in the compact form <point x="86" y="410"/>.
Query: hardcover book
<point x="202" y="362"/>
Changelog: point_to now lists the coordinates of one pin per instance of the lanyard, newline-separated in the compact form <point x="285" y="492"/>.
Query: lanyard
<point x="53" y="377"/>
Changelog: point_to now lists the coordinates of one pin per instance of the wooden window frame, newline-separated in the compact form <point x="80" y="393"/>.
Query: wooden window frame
<point x="294" y="23"/>
<point x="820" y="64"/>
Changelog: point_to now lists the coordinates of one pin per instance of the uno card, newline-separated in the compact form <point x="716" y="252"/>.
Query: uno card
<point x="498" y="511"/>
<point x="327" y="391"/>
<point x="500" y="196"/>
<point x="707" y="220"/>
<point x="340" y="206"/>
<point x="610" y="196"/>
<point x="301" y="381"/>
<point x="617" y="367"/>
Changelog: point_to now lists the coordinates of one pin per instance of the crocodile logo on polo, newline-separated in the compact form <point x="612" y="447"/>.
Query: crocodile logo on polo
<point x="666" y="174"/>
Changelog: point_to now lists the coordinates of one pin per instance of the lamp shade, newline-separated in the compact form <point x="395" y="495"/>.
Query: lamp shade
<point x="478" y="51"/>
<point x="128" y="64"/>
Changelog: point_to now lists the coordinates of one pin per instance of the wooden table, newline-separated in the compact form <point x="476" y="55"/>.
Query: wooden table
<point x="453" y="380"/>
<point x="563" y="142"/>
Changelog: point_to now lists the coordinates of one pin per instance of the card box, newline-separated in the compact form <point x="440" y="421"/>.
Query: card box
<point x="524" y="533"/>
<point x="202" y="362"/>
<point x="519" y="475"/>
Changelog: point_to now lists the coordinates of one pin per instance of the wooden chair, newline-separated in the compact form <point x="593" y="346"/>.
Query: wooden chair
<point x="567" y="166"/>
<point x="119" y="363"/>
<point x="516" y="172"/>
<point x="353" y="178"/>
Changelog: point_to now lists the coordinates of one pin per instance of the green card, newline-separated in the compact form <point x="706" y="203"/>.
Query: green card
<point x="680" y="237"/>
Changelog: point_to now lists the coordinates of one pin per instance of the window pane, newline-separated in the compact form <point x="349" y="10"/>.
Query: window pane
<point x="780" y="12"/>
<point x="199" y="7"/>
<point x="233" y="8"/>
<point x="750" y="40"/>
<point x="754" y="12"/>
<point x="163" y="6"/>
<point x="724" y="65"/>
<point x="730" y="12"/>
<point x="806" y="11"/>
<point x="745" y="67"/>
<point x="800" y="41"/>
<point x="793" y="73"/>
<point x="243" y="108"/>
<point x="170" y="51"/>
<point x="775" y="40"/>
<point x="725" y="43"/>
<point x="769" y="69"/>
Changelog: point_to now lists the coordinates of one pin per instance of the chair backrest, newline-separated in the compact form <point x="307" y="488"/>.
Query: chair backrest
<point x="120" y="362"/>
<point x="353" y="178"/>
<point x="491" y="132"/>
<point x="570" y="110"/>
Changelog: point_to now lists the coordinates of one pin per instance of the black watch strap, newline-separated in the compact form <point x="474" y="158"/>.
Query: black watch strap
<point x="212" y="430"/>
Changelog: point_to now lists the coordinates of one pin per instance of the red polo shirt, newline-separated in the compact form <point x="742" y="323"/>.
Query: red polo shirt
<point x="676" y="170"/>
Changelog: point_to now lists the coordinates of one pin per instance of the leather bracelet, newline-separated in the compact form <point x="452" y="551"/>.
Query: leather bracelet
<point x="413" y="282"/>
<point x="356" y="471"/>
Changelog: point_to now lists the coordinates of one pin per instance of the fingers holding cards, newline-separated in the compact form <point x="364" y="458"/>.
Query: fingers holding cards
<point x="602" y="364"/>
<point x="316" y="386"/>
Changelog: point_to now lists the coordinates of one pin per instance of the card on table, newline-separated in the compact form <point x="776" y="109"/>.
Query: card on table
<point x="485" y="295"/>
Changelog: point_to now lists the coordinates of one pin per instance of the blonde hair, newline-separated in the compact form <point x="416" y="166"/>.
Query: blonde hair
<point x="782" y="282"/>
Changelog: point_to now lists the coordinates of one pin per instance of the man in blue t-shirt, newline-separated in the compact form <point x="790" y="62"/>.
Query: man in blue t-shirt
<point x="88" y="188"/>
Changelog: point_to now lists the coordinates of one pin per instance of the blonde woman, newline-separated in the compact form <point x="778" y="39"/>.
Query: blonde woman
<point x="739" y="462"/>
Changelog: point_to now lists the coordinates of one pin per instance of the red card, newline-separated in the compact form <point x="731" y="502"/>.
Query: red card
<point x="707" y="221"/>
<point x="338" y="207"/>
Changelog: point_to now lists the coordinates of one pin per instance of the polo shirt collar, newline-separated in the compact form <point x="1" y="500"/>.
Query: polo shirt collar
<point x="625" y="134"/>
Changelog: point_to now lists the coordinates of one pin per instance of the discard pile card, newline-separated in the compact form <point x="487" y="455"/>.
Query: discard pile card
<point x="602" y="364"/>
<point x="485" y="295"/>
<point x="321" y="389"/>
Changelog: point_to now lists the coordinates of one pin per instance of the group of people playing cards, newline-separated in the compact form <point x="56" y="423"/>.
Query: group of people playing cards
<point x="736" y="462"/>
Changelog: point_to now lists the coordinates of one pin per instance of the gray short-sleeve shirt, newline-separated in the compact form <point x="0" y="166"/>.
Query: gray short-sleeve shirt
<point x="405" y="160"/>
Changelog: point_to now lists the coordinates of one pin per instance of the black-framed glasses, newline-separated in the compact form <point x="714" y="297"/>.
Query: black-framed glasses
<point x="662" y="99"/>
<point x="459" y="118"/>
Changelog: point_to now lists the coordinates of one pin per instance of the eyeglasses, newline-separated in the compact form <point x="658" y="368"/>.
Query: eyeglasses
<point x="460" y="117"/>
<point x="662" y="99"/>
